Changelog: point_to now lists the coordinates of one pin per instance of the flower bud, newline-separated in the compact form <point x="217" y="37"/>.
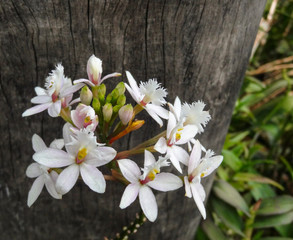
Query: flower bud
<point x="116" y="108"/>
<point x="125" y="113"/>
<point x="86" y="95"/>
<point x="115" y="95"/>
<point x="121" y="88"/>
<point x="107" y="112"/>
<point x="94" y="69"/>
<point x="109" y="98"/>
<point x="96" y="105"/>
<point x="121" y="100"/>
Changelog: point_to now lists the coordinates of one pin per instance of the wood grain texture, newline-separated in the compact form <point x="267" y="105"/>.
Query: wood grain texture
<point x="197" y="49"/>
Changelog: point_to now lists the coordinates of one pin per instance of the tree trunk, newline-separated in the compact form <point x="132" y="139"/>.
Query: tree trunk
<point x="198" y="50"/>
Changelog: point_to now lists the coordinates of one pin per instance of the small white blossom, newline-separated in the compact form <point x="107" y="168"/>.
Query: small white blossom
<point x="198" y="168"/>
<point x="84" y="117"/>
<point x="194" y="114"/>
<point x="141" y="184"/>
<point x="177" y="134"/>
<point x="83" y="156"/>
<point x="150" y="96"/>
<point x="94" y="71"/>
<point x="57" y="95"/>
<point x="43" y="174"/>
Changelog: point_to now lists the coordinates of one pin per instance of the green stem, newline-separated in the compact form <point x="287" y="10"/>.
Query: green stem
<point x="151" y="141"/>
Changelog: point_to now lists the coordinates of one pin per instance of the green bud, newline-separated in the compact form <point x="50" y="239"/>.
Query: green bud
<point x="96" y="104"/>
<point x="125" y="113"/>
<point x="109" y="98"/>
<point x="121" y="88"/>
<point x="121" y="100"/>
<point x="107" y="112"/>
<point x="116" y="108"/>
<point x="115" y="95"/>
<point x="102" y="89"/>
<point x="86" y="95"/>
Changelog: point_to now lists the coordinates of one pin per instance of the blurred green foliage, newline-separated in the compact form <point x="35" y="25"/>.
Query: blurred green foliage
<point x="252" y="195"/>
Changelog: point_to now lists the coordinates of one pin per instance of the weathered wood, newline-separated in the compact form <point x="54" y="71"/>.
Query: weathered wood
<point x="197" y="49"/>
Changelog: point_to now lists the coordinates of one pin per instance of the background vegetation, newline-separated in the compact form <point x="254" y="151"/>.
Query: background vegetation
<point x="252" y="194"/>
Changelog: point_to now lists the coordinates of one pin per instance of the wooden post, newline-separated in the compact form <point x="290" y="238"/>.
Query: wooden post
<point x="197" y="49"/>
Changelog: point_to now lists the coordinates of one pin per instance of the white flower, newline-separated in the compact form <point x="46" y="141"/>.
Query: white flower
<point x="57" y="95"/>
<point x="193" y="114"/>
<point x="43" y="174"/>
<point x="84" y="117"/>
<point x="94" y="71"/>
<point x="177" y="134"/>
<point x="83" y="156"/>
<point x="141" y="184"/>
<point x="150" y="96"/>
<point x="198" y="168"/>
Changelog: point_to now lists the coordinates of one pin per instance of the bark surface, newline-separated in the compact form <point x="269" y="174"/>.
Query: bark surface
<point x="198" y="50"/>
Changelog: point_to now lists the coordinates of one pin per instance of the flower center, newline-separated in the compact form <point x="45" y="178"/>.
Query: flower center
<point x="87" y="121"/>
<point x="150" y="177"/>
<point x="178" y="134"/>
<point x="54" y="97"/>
<point x="81" y="155"/>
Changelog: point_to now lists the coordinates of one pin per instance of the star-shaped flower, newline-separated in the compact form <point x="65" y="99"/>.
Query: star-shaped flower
<point x="150" y="96"/>
<point x="198" y="168"/>
<point x="44" y="175"/>
<point x="141" y="184"/>
<point x="83" y="156"/>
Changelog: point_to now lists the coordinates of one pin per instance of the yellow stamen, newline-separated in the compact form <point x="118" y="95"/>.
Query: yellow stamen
<point x="81" y="155"/>
<point x="87" y="119"/>
<point x="178" y="134"/>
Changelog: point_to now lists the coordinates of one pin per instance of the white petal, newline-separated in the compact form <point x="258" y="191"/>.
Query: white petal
<point x="53" y="158"/>
<point x="83" y="80"/>
<point x="33" y="170"/>
<point x="177" y="107"/>
<point x="171" y="124"/>
<point x="38" y="143"/>
<point x="161" y="145"/>
<point x="71" y="89"/>
<point x="35" y="190"/>
<point x="165" y="182"/>
<point x="209" y="165"/>
<point x="181" y="154"/>
<point x="55" y="109"/>
<point x="194" y="157"/>
<point x="101" y="156"/>
<point x="149" y="158"/>
<point x="129" y="169"/>
<point x="93" y="178"/>
<point x="198" y="200"/>
<point x="148" y="203"/>
<point x="154" y="115"/>
<point x="187" y="133"/>
<point x="57" y="143"/>
<point x="135" y="95"/>
<point x="36" y="109"/>
<point x="132" y="83"/>
<point x="162" y="112"/>
<point x="115" y="74"/>
<point x="173" y="159"/>
<point x="50" y="185"/>
<point x="187" y="187"/>
<point x="67" y="178"/>
<point x="41" y="99"/>
<point x="129" y="195"/>
<point x="40" y="91"/>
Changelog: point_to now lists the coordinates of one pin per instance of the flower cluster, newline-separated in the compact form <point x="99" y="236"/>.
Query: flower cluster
<point x="95" y="120"/>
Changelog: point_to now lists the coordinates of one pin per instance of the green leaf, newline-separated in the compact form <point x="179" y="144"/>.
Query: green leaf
<point x="230" y="195"/>
<point x="212" y="231"/>
<point x="247" y="177"/>
<point x="231" y="160"/>
<point x="276" y="205"/>
<point x="261" y="191"/>
<point x="285" y="230"/>
<point x="274" y="220"/>
<point x="228" y="215"/>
